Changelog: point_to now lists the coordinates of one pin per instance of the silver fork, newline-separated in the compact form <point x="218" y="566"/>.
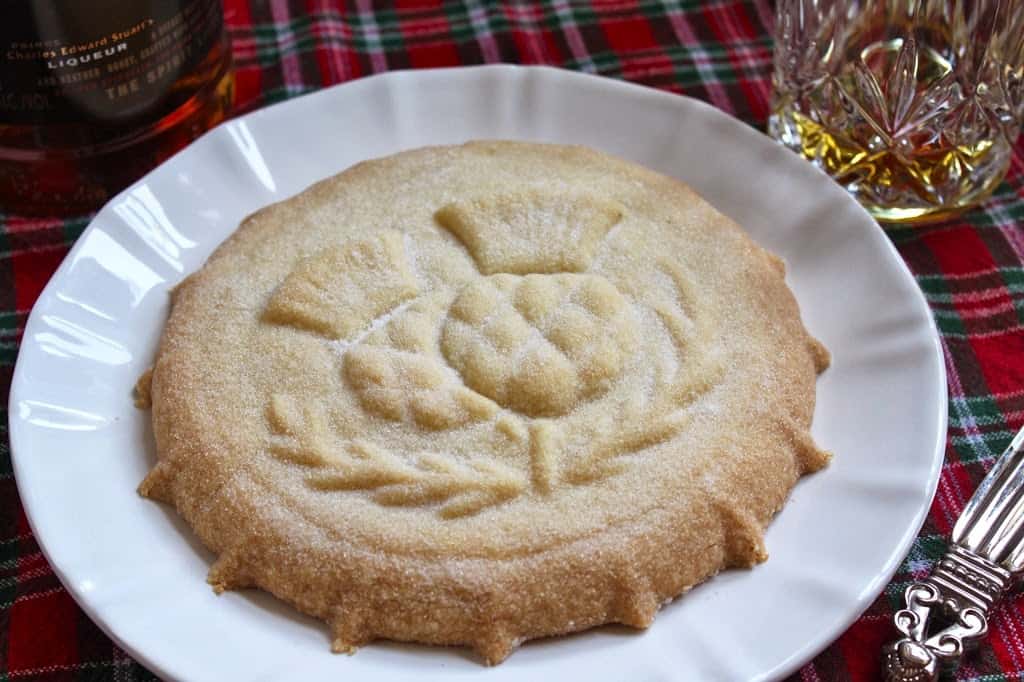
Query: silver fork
<point x="948" y="610"/>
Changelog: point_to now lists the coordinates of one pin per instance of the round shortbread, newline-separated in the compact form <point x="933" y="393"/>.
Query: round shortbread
<point x="483" y="393"/>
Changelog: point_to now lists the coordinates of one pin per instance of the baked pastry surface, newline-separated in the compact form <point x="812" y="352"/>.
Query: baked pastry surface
<point x="481" y="394"/>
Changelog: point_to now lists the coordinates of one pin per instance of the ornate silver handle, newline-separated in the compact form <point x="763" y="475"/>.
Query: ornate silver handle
<point x="948" y="610"/>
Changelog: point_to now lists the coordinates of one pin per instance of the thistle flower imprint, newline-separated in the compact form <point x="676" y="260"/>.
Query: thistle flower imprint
<point x="516" y="353"/>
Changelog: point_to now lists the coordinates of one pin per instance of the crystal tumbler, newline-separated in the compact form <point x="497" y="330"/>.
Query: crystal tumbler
<point x="913" y="106"/>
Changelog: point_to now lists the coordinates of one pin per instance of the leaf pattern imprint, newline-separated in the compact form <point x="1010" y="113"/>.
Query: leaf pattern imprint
<point x="301" y="435"/>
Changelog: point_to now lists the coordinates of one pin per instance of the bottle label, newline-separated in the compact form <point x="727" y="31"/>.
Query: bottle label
<point x="104" y="61"/>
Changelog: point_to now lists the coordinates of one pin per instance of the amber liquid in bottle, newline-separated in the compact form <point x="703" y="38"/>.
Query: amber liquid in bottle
<point x="94" y="94"/>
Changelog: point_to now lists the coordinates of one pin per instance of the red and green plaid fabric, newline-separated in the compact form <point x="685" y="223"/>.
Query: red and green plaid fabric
<point x="971" y="270"/>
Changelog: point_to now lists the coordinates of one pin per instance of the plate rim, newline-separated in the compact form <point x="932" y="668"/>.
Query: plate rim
<point x="797" y="659"/>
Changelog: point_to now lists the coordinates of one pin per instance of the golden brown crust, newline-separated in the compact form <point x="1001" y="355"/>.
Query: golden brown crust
<point x="141" y="394"/>
<point x="295" y="446"/>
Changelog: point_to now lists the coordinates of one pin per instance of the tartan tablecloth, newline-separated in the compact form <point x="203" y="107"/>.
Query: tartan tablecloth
<point x="971" y="270"/>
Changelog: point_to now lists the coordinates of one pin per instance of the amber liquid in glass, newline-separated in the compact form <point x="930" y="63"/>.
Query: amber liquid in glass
<point x="879" y="103"/>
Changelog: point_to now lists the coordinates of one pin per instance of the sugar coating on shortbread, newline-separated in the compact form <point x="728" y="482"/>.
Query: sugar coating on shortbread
<point x="478" y="394"/>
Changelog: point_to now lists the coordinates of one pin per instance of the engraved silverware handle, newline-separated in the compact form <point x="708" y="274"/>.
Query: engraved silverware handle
<point x="948" y="610"/>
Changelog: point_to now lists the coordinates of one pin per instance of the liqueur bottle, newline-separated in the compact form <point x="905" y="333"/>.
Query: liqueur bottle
<point x="93" y="93"/>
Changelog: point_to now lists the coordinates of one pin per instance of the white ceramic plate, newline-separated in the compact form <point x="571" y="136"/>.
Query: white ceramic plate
<point x="80" y="448"/>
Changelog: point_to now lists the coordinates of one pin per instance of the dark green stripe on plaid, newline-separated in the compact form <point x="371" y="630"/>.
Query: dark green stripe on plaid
<point x="364" y="39"/>
<point x="384" y="34"/>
